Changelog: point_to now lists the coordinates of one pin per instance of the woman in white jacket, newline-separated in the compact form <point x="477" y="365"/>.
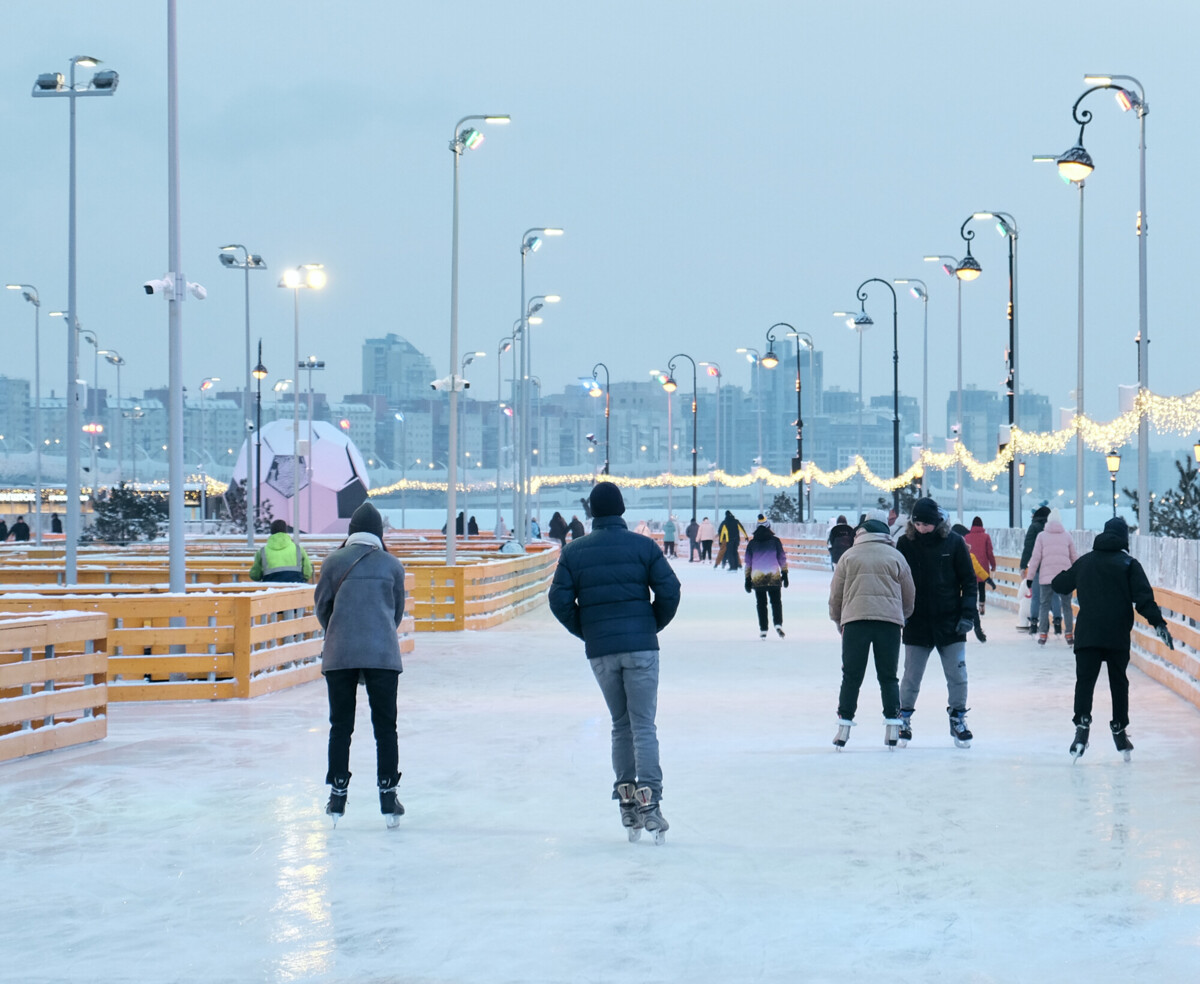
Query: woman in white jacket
<point x="1053" y="552"/>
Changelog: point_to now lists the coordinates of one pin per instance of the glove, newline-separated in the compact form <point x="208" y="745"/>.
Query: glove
<point x="964" y="626"/>
<point x="1165" y="635"/>
<point x="785" y="580"/>
<point x="748" y="589"/>
<point x="1029" y="585"/>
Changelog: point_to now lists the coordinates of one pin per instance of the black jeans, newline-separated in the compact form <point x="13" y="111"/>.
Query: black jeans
<point x="381" y="693"/>
<point x="693" y="549"/>
<point x="982" y="593"/>
<point x="706" y="551"/>
<point x="760" y="600"/>
<point x="858" y="638"/>
<point x="1087" y="671"/>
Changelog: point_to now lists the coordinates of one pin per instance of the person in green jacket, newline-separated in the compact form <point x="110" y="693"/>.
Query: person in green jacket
<point x="281" y="559"/>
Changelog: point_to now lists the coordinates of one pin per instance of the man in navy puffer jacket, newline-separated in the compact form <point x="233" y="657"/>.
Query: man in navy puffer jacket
<point x="615" y="590"/>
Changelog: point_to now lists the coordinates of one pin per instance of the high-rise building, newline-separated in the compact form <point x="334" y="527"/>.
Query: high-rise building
<point x="395" y="369"/>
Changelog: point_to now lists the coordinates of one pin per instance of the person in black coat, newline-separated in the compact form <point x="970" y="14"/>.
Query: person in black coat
<point x="3" y="531"/>
<point x="55" y="524"/>
<point x="730" y="534"/>
<point x="575" y="527"/>
<point x="841" y="539"/>
<point x="1110" y="584"/>
<point x="472" y="527"/>
<point x="1040" y="515"/>
<point x="558" y="529"/>
<point x="616" y="591"/>
<point x="944" y="613"/>
<point x="20" y="530"/>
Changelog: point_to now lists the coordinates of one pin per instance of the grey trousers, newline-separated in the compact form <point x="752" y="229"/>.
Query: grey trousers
<point x="954" y="666"/>
<point x="629" y="682"/>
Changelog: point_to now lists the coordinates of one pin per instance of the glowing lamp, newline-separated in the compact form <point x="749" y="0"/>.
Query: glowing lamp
<point x="1076" y="164"/>
<point x="968" y="268"/>
<point x="770" y="360"/>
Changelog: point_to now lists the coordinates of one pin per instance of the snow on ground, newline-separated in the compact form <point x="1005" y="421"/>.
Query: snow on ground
<point x="192" y="844"/>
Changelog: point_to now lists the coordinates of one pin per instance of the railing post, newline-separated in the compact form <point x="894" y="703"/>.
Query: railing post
<point x="242" y="623"/>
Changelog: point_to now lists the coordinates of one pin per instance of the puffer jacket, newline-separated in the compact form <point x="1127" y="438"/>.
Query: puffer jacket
<point x="1053" y="552"/>
<point x="766" y="561"/>
<point x="980" y="545"/>
<point x="602" y="589"/>
<point x="872" y="582"/>
<point x="707" y="530"/>
<point x="359" y="602"/>
<point x="1109" y="584"/>
<point x="945" y="583"/>
<point x="276" y="560"/>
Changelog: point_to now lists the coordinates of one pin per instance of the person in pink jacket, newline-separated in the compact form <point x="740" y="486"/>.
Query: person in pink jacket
<point x="981" y="549"/>
<point x="1053" y="552"/>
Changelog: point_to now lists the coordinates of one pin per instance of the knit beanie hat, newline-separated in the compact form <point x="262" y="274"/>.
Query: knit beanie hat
<point x="366" y="519"/>
<point x="926" y="511"/>
<point x="876" y="526"/>
<point x="1041" y="512"/>
<point x="763" y="521"/>
<point x="1119" y="528"/>
<point x="606" y="500"/>
<point x="1054" y="517"/>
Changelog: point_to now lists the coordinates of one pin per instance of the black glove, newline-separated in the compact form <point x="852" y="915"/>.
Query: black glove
<point x="1165" y="635"/>
<point x="964" y="626"/>
<point x="748" y="589"/>
<point x="1029" y="584"/>
<point x="785" y="581"/>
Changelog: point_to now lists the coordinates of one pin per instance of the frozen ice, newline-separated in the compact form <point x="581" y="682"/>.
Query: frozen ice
<point x="192" y="843"/>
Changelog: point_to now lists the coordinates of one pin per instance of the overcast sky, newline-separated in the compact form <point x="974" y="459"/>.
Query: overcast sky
<point x="717" y="168"/>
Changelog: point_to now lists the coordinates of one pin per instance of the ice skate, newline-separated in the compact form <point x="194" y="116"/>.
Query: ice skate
<point x="1081" y="737"/>
<point x="905" y="735"/>
<point x="1121" y="740"/>
<point x="651" y="816"/>
<point x="843" y="733"/>
<point x="779" y="630"/>
<point x="336" y="807"/>
<point x="1057" y="625"/>
<point x="391" y="808"/>
<point x="891" y="732"/>
<point x="958" y="728"/>
<point x="763" y="634"/>
<point x="1042" y="639"/>
<point x="631" y="819"/>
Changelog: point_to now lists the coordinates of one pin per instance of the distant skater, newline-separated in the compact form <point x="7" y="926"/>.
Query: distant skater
<point x="766" y="574"/>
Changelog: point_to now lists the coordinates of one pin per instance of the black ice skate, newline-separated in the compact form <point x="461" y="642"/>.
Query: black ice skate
<point x="958" y="727"/>
<point x="651" y="815"/>
<point x="391" y="808"/>
<point x="905" y="735"/>
<point x="1081" y="737"/>
<point x="631" y="818"/>
<point x="891" y="732"/>
<point x="1121" y="740"/>
<point x="336" y="807"/>
<point x="843" y="733"/>
<point x="779" y="629"/>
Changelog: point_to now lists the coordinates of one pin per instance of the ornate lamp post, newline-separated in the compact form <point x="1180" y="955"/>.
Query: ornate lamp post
<point x="714" y="370"/>
<point x="1113" y="460"/>
<point x="595" y="391"/>
<point x="259" y="372"/>
<point x="866" y="321"/>
<point x="31" y="295"/>
<point x="670" y="387"/>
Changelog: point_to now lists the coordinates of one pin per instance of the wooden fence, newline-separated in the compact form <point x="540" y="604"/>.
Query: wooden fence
<point x="52" y="682"/>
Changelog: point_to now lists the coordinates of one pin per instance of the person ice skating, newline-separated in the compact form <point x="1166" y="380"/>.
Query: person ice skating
<point x="575" y="528"/>
<point x="472" y="527"/>
<point x="693" y="537"/>
<point x="980" y="545"/>
<point x="870" y="597"/>
<point x="1110" y="584"/>
<point x="729" y="536"/>
<point x="943" y="614"/>
<point x="359" y="602"/>
<point x="1053" y="552"/>
<point x="766" y="574"/>
<point x="616" y="591"/>
<point x="281" y="559"/>
<point x="707" y="533"/>
<point x="1036" y="525"/>
<point x="3" y="530"/>
<point x="558" y="529"/>
<point x="670" y="529"/>
<point x="55" y="524"/>
<point x="841" y="539"/>
<point x="20" y="530"/>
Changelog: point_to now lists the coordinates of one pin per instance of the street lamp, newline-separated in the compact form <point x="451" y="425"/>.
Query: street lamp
<point x="531" y="242"/>
<point x="770" y="360"/>
<point x="259" y="372"/>
<point x="714" y="370"/>
<point x="114" y="358"/>
<point x="1006" y="226"/>
<point x="249" y="261"/>
<point x="31" y="295"/>
<point x="93" y="401"/>
<point x="595" y="391"/>
<point x="310" y="276"/>
<point x="920" y="291"/>
<point x="752" y="355"/>
<point x="465" y="138"/>
<point x="462" y="421"/>
<point x="310" y="365"/>
<point x="50" y="84"/>
<point x="670" y="386"/>
<point x="858" y="323"/>
<point x="1113" y="460"/>
<point x="502" y="346"/>
<point x="862" y="297"/>
<point x="799" y="463"/>
<point x="205" y="385"/>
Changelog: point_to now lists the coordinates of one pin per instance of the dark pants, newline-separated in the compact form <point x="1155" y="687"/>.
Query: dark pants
<point x="693" y="549"/>
<point x="858" y="638"/>
<point x="1087" y="671"/>
<point x="760" y="600"/>
<point x="381" y="693"/>
<point x="706" y="551"/>
<point x="982" y="594"/>
<point x="731" y="556"/>
<point x="669" y="548"/>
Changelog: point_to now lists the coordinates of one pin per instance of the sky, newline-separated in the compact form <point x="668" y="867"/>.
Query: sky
<point x="717" y="169"/>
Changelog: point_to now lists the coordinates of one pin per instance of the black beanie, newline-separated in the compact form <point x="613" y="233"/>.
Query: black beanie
<point x="926" y="511"/>
<point x="1041" y="512"/>
<point x="366" y="519"/>
<point x="1119" y="528"/>
<point x="606" y="500"/>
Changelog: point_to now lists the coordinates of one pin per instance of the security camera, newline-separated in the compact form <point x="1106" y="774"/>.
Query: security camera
<point x="165" y="286"/>
<point x="198" y="291"/>
<point x="249" y="426"/>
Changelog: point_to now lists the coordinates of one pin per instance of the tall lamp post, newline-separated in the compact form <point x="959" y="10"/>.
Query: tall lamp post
<point x="531" y="242"/>
<point x="502" y="346"/>
<point x="310" y="365"/>
<point x="854" y="323"/>
<point x="205" y="385"/>
<point x="670" y="386"/>
<point x="466" y="361"/>
<point x="31" y="295"/>
<point x="114" y="358"/>
<point x="50" y="84"/>
<point x="595" y="391"/>
<point x="920" y="291"/>
<point x="309" y="276"/>
<point x="950" y="265"/>
<point x="866" y="320"/>
<point x="249" y="261"/>
<point x="259" y="372"/>
<point x="465" y="138"/>
<point x="811" y="346"/>
<point x="1113" y="460"/>
<point x="755" y="357"/>
<point x="714" y="370"/>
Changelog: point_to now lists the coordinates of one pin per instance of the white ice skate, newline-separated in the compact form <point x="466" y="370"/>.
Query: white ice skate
<point x="891" y="732"/>
<point x="843" y="733"/>
<point x="631" y="818"/>
<point x="651" y="815"/>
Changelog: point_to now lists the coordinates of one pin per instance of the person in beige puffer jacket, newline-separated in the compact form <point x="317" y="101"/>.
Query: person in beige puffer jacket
<point x="870" y="597"/>
<point x="1053" y="552"/>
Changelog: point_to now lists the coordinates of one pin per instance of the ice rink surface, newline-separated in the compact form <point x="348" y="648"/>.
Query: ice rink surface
<point x="191" y="844"/>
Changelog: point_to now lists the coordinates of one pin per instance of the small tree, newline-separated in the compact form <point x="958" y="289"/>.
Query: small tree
<point x="783" y="509"/>
<point x="1177" y="512"/>
<point x="123" y="515"/>
<point x="235" y="502"/>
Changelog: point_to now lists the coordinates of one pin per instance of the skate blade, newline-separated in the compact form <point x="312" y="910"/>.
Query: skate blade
<point x="1127" y="756"/>
<point x="392" y="821"/>
<point x="902" y="742"/>
<point x="635" y="834"/>
<point x="959" y="743"/>
<point x="660" y="837"/>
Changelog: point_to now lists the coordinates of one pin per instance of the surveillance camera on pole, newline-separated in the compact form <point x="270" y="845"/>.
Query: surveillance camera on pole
<point x="447" y="382"/>
<point x="166" y="287"/>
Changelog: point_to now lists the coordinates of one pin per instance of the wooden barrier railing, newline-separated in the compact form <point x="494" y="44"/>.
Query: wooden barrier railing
<point x="52" y="682"/>
<point x="480" y="594"/>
